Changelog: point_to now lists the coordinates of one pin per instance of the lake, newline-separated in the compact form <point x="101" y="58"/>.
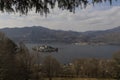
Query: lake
<point x="67" y="52"/>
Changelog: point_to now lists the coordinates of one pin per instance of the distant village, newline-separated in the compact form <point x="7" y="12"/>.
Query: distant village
<point x="95" y="43"/>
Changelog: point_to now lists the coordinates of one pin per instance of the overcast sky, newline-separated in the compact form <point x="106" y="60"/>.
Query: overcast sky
<point x="100" y="17"/>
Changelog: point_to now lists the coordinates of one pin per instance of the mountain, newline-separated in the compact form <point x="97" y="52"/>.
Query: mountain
<point x="111" y="36"/>
<point x="38" y="34"/>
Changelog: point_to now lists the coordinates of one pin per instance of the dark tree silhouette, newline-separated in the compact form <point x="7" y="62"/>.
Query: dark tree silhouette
<point x="43" y="6"/>
<point x="51" y="67"/>
<point x="7" y="58"/>
<point x="116" y="58"/>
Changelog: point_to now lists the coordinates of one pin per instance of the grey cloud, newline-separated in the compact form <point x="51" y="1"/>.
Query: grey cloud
<point x="82" y="20"/>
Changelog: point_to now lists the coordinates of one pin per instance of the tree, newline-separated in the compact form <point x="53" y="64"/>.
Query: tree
<point x="25" y="63"/>
<point x="68" y="70"/>
<point x="51" y="67"/>
<point x="7" y="58"/>
<point x="44" y="6"/>
<point x="78" y="65"/>
<point x="116" y="58"/>
<point x="37" y="66"/>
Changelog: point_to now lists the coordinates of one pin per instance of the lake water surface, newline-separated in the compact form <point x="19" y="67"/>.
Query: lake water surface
<point x="67" y="52"/>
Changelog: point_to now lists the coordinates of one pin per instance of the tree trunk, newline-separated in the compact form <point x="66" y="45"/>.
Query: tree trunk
<point x="50" y="78"/>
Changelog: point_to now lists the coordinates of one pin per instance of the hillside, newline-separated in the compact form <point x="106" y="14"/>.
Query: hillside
<point x="111" y="36"/>
<point x="38" y="34"/>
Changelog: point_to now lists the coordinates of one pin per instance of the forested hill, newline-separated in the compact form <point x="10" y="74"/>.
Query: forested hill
<point x="38" y="34"/>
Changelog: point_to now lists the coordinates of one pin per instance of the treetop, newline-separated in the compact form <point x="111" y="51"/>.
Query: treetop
<point x="43" y="6"/>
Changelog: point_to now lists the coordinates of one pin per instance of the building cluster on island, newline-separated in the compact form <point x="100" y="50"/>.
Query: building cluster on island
<point x="45" y="48"/>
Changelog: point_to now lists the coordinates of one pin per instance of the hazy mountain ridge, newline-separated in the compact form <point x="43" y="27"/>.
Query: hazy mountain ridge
<point x="111" y="36"/>
<point x="38" y="34"/>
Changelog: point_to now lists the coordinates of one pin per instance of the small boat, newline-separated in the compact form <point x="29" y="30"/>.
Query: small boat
<point x="45" y="48"/>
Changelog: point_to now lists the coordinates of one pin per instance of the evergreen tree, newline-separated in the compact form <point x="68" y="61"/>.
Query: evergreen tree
<point x="44" y="6"/>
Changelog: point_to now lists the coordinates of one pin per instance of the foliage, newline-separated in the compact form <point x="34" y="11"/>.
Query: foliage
<point x="24" y="63"/>
<point x="51" y="67"/>
<point x="44" y="6"/>
<point x="7" y="58"/>
<point x="17" y="63"/>
<point x="116" y="58"/>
